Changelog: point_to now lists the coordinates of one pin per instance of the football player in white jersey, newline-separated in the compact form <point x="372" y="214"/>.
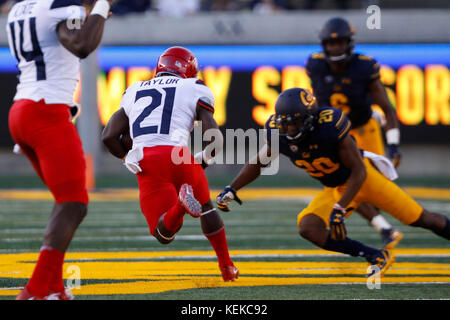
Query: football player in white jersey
<point x="48" y="39"/>
<point x="159" y="115"/>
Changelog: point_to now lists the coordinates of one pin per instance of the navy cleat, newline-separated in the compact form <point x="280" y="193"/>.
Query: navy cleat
<point x="391" y="238"/>
<point x="380" y="262"/>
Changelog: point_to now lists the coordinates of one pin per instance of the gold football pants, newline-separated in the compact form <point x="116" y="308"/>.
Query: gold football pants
<point x="376" y="190"/>
<point x="369" y="137"/>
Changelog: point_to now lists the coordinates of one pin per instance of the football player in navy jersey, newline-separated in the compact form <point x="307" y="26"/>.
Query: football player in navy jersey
<point x="48" y="38"/>
<point x="317" y="139"/>
<point x="351" y="81"/>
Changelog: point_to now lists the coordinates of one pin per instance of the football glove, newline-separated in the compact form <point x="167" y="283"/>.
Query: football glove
<point x="225" y="197"/>
<point x="337" y="225"/>
<point x="394" y="154"/>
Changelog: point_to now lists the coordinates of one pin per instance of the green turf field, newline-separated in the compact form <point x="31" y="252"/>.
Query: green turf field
<point x="118" y="259"/>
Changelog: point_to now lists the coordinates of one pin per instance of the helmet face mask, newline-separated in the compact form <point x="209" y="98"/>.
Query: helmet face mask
<point x="177" y="61"/>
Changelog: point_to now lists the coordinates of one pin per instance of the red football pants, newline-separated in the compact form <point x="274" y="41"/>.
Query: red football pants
<point x="51" y="142"/>
<point x="161" y="179"/>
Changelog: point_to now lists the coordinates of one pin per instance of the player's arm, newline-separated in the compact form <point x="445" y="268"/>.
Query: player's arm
<point x="379" y="96"/>
<point x="83" y="41"/>
<point x="210" y="127"/>
<point x="250" y="172"/>
<point x="352" y="159"/>
<point x="116" y="126"/>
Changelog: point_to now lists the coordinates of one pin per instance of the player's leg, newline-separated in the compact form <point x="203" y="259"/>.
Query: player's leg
<point x="435" y="222"/>
<point x="391" y="236"/>
<point x="389" y="197"/>
<point x="369" y="138"/>
<point x="211" y="222"/>
<point x="313" y="224"/>
<point x="161" y="208"/>
<point x="64" y="220"/>
<point x="62" y="165"/>
<point x="214" y="230"/>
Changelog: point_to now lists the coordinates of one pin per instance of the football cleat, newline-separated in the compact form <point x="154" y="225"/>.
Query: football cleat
<point x="186" y="197"/>
<point x="381" y="262"/>
<point x="391" y="238"/>
<point x="26" y="295"/>
<point x="65" y="295"/>
<point x="229" y="273"/>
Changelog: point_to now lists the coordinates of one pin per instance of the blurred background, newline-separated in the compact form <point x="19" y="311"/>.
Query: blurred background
<point x="249" y="51"/>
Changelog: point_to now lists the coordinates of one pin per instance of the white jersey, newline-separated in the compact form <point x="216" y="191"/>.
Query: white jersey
<point x="162" y="111"/>
<point x="47" y="69"/>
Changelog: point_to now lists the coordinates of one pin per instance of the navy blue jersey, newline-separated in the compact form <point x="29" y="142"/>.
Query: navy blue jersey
<point x="348" y="91"/>
<point x="318" y="154"/>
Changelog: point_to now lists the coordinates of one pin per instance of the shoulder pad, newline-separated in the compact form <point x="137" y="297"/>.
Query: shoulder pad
<point x="200" y="82"/>
<point x="318" y="55"/>
<point x="334" y="121"/>
<point x="364" y="57"/>
<point x="369" y="66"/>
<point x="315" y="62"/>
<point x="64" y="3"/>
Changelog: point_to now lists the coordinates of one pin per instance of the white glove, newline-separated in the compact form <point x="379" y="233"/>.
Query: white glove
<point x="132" y="167"/>
<point x="132" y="159"/>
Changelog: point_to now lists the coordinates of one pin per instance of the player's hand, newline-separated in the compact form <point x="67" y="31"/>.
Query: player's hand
<point x="337" y="225"/>
<point x="225" y="197"/>
<point x="394" y="154"/>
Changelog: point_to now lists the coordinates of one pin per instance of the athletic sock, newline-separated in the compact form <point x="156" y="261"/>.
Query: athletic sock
<point x="445" y="233"/>
<point x="218" y="241"/>
<point x="57" y="282"/>
<point x="44" y="271"/>
<point x="351" y="247"/>
<point x="380" y="223"/>
<point x="173" y="219"/>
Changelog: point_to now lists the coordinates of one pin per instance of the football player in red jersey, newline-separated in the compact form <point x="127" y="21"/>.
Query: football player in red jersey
<point x="159" y="115"/>
<point x="59" y="36"/>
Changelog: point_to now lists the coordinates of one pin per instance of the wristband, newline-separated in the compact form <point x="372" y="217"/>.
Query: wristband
<point x="393" y="136"/>
<point x="337" y="206"/>
<point x="101" y="8"/>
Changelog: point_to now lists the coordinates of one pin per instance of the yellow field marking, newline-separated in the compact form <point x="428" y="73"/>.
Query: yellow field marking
<point x="159" y="276"/>
<point x="245" y="194"/>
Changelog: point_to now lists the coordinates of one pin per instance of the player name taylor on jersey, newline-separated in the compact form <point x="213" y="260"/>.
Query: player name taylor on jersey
<point x="47" y="69"/>
<point x="162" y="110"/>
<point x="318" y="154"/>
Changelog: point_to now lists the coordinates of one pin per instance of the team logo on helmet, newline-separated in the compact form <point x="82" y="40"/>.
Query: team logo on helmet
<point x="307" y="98"/>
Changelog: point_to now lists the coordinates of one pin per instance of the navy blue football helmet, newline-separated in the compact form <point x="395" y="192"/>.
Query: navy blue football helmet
<point x="297" y="107"/>
<point x="335" y="29"/>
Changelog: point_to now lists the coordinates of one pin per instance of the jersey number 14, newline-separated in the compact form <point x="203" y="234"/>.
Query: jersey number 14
<point x="35" y="54"/>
